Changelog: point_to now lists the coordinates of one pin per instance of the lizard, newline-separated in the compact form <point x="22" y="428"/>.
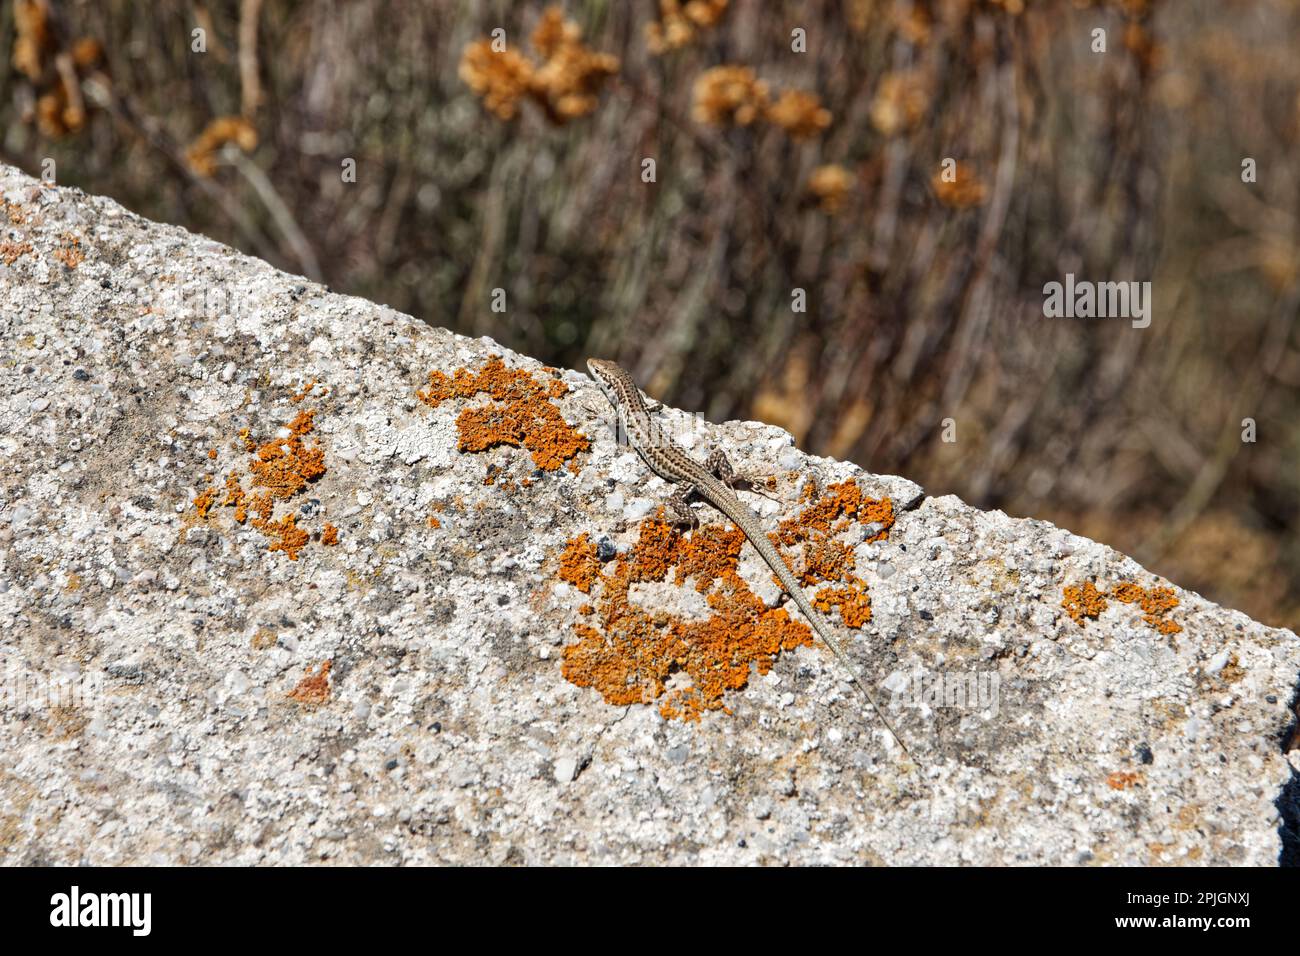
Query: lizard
<point x="713" y="482"/>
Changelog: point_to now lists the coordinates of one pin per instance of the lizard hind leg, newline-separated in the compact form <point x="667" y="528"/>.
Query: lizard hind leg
<point x="680" y="508"/>
<point x="720" y="466"/>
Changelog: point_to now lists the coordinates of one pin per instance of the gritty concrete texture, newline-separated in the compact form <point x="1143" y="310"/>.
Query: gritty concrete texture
<point x="178" y="692"/>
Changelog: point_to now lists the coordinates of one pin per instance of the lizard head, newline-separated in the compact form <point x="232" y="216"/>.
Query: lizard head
<point x="606" y="374"/>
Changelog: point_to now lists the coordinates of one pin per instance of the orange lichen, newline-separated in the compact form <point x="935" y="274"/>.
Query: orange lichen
<point x="1123" y="779"/>
<point x="314" y="688"/>
<point x="10" y="252"/>
<point x="329" y="535"/>
<point x="852" y="599"/>
<point x="236" y="496"/>
<point x="283" y="467"/>
<point x="1156" y="603"/>
<point x="285" y="534"/>
<point x="286" y="465"/>
<point x="434" y="522"/>
<point x="212" y="453"/>
<point x="69" y="251"/>
<point x="579" y="564"/>
<point x="520" y="415"/>
<point x="834" y="510"/>
<point x="633" y="653"/>
<point x="203" y="503"/>
<point x="1082" y="602"/>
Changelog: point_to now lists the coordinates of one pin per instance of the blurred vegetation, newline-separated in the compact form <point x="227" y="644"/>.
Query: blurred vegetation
<point x="775" y="170"/>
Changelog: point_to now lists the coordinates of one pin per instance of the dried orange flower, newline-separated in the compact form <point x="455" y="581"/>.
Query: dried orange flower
<point x="959" y="189"/>
<point x="800" y="114"/>
<point x="501" y="79"/>
<point x="729" y="95"/>
<point x="680" y="23"/>
<point x="201" y="156"/>
<point x="32" y="37"/>
<point x="831" y="185"/>
<point x="566" y="84"/>
<point x="900" y="102"/>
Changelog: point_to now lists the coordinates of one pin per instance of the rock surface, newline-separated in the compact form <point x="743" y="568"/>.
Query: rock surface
<point x="182" y="686"/>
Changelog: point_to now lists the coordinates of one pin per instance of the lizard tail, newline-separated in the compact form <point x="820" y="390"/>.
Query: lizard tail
<point x="820" y="625"/>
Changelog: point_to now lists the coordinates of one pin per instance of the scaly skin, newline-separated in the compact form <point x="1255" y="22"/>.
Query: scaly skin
<point x="667" y="459"/>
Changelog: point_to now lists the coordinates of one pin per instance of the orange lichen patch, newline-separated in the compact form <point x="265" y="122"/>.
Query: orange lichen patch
<point x="306" y="390"/>
<point x="710" y="554"/>
<point x="235" y="496"/>
<point x="826" y="559"/>
<point x="69" y="251"/>
<point x="521" y="415"/>
<point x="15" y="213"/>
<point x="203" y="503"/>
<point x="262" y="639"/>
<point x="212" y="453"/>
<point x="679" y="23"/>
<point x="566" y="83"/>
<point x="201" y="154"/>
<point x="285" y="534"/>
<point x="1082" y="602"/>
<point x="1156" y="603"/>
<point x="286" y="465"/>
<point x="834" y="510"/>
<point x="634" y="653"/>
<point x="1122" y="780"/>
<point x="329" y="535"/>
<point x="10" y="252"/>
<point x="852" y="599"/>
<point x="586" y="610"/>
<point x="314" y="688"/>
<point x="283" y="467"/>
<point x="655" y="551"/>
<point x="579" y="564"/>
<point x="959" y="189"/>
<point x="434" y="522"/>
